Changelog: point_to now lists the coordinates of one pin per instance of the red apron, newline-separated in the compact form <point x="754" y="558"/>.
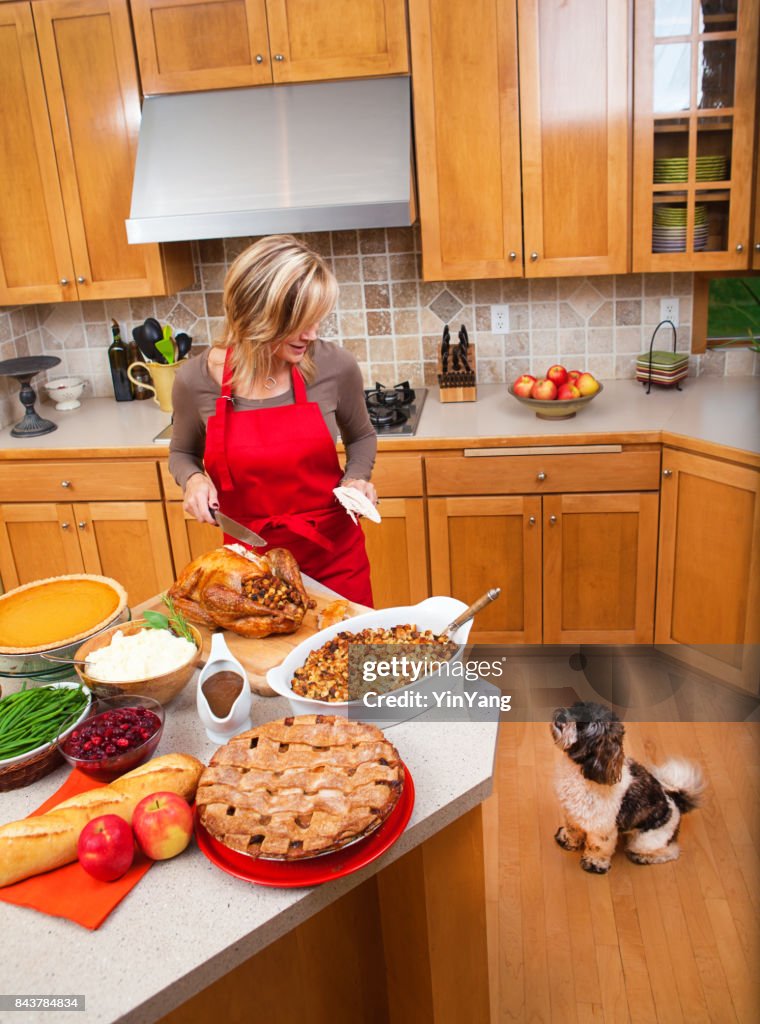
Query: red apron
<point x="275" y="470"/>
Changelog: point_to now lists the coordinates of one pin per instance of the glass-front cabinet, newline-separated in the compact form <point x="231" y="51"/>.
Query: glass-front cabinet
<point x="694" y="108"/>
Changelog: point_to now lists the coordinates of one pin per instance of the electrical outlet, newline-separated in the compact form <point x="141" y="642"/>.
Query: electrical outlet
<point x="669" y="310"/>
<point x="499" y="319"/>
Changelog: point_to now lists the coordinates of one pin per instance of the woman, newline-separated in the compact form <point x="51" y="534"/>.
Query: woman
<point x="255" y="422"/>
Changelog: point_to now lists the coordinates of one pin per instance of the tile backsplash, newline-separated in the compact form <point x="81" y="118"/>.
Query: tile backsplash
<point x="390" y="318"/>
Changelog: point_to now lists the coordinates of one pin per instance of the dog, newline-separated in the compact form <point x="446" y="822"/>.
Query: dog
<point x="603" y="793"/>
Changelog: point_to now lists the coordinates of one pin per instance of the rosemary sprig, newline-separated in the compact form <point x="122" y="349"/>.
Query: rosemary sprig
<point x="175" y="621"/>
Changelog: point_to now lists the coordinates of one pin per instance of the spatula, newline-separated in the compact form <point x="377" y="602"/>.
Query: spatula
<point x="166" y="346"/>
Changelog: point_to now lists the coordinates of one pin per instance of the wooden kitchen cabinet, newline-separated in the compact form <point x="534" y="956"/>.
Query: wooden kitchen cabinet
<point x="69" y="120"/>
<point x="569" y="110"/>
<point x="694" y="102"/>
<point x="192" y="45"/>
<point x="482" y="542"/>
<point x="708" y="586"/>
<point x="756" y="227"/>
<point x="397" y="552"/>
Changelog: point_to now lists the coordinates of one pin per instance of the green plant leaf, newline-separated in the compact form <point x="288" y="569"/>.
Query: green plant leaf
<point x="156" y="620"/>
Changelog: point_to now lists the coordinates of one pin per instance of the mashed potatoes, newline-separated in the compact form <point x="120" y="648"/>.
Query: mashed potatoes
<point x="143" y="655"/>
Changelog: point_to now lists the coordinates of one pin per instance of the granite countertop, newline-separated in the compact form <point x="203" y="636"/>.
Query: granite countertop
<point x="203" y="921"/>
<point x="716" y="410"/>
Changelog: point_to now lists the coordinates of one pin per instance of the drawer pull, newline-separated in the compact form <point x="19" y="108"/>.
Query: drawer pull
<point x="65" y="526"/>
<point x="259" y="59"/>
<point x="667" y="472"/>
<point x="65" y="483"/>
<point x="541" y="477"/>
<point x="81" y="524"/>
<point x="531" y="520"/>
<point x="552" y="520"/>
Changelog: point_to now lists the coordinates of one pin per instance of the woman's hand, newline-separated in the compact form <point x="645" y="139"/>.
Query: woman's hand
<point x="365" y="486"/>
<point x="200" y="496"/>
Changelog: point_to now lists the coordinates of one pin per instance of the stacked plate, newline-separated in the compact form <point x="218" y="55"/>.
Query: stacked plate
<point x="669" y="228"/>
<point x="664" y="367"/>
<point x="676" y="168"/>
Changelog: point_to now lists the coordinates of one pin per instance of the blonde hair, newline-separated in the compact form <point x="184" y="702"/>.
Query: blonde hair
<point x="275" y="289"/>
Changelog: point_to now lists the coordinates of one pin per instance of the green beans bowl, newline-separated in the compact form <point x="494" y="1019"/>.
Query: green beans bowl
<point x="34" y="718"/>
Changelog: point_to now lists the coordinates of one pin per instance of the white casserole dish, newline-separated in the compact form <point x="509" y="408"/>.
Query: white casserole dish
<point x="435" y="613"/>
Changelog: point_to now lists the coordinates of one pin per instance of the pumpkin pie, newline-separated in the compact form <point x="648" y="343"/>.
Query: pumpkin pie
<point x="299" y="787"/>
<point x="56" y="612"/>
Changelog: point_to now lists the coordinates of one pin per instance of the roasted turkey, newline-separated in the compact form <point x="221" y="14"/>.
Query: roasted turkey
<point x="252" y="595"/>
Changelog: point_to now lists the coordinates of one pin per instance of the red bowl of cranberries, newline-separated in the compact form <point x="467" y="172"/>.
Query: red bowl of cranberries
<point x="122" y="734"/>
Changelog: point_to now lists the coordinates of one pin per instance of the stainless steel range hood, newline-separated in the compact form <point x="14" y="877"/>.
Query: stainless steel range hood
<point x="314" y="157"/>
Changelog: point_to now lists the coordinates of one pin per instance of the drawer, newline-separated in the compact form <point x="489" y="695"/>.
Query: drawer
<point x="394" y="476"/>
<point x="79" y="481"/>
<point x="543" y="474"/>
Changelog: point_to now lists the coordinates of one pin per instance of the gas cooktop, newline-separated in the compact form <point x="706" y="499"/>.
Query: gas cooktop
<point x="395" y="411"/>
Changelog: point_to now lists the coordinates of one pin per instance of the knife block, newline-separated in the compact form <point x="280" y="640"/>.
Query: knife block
<point x="458" y="385"/>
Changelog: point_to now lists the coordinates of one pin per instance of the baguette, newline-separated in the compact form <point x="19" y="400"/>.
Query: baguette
<point x="49" y="840"/>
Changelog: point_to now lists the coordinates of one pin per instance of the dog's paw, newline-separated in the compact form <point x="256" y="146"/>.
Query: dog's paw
<point x="656" y="857"/>
<point x="595" y="867"/>
<point x="567" y="840"/>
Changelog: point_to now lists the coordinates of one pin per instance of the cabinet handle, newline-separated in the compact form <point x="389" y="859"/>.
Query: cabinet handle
<point x="513" y="255"/>
<point x="64" y="282"/>
<point x="81" y="524"/>
<point x="534" y="257"/>
<point x="740" y="247"/>
<point x="667" y="472"/>
<point x="65" y="483"/>
<point x="757" y="246"/>
<point x="80" y="279"/>
<point x="531" y="520"/>
<point x="259" y="59"/>
<point x="552" y="520"/>
<point x="541" y="477"/>
<point x="65" y="526"/>
<point x="279" y="56"/>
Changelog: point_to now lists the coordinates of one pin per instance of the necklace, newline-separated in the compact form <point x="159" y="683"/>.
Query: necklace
<point x="269" y="383"/>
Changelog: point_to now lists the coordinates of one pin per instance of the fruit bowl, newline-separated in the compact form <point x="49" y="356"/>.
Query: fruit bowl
<point x="65" y="392"/>
<point x="556" y="408"/>
<point x="162" y="687"/>
<point x="131" y="725"/>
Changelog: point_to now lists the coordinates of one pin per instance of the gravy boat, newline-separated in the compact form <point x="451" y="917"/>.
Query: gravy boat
<point x="238" y="719"/>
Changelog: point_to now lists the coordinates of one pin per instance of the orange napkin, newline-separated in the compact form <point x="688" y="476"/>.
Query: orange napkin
<point x="69" y="891"/>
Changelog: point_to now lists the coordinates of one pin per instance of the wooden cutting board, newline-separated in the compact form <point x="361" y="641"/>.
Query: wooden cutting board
<point x="258" y="656"/>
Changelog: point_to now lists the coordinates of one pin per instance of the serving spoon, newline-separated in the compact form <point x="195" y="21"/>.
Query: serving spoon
<point x="472" y="611"/>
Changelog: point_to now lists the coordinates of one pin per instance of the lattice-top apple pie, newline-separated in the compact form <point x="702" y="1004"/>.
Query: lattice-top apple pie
<point x="299" y="787"/>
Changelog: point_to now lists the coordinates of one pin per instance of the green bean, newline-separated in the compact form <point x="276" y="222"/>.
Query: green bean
<point x="30" y="718"/>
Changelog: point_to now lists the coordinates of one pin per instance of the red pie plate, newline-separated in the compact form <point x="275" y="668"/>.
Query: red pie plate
<point x="299" y="874"/>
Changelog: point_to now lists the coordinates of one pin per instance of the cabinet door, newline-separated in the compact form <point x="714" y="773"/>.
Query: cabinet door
<point x="708" y="587"/>
<point x="192" y="45"/>
<point x="189" y="538"/>
<point x="695" y="74"/>
<point x="36" y="541"/>
<point x="34" y="246"/>
<point x="575" y="136"/>
<point x="317" y="39"/>
<point x="479" y="543"/>
<point x="397" y="552"/>
<point x="467" y="137"/>
<point x="756" y="231"/>
<point x="93" y="100"/>
<point x="127" y="540"/>
<point x="600" y="558"/>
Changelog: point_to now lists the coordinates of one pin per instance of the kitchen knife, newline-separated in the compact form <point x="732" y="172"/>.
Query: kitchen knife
<point x="237" y="530"/>
<point x="445" y="343"/>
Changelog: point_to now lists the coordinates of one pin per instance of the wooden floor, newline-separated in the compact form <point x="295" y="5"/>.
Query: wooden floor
<point x="666" y="943"/>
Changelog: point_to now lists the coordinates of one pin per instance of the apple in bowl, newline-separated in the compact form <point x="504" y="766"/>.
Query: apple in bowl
<point x="544" y="390"/>
<point x="524" y="385"/>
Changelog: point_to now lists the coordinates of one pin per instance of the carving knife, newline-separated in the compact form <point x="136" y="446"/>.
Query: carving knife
<point x="237" y="530"/>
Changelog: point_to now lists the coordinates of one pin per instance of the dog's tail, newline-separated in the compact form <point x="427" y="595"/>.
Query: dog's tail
<point x="682" y="780"/>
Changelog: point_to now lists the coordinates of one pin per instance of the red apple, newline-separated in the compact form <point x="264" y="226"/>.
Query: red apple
<point x="557" y="374"/>
<point x="544" y="389"/>
<point x="163" y="824"/>
<point x="568" y="391"/>
<point x="587" y="384"/>
<point x="572" y="376"/>
<point x="523" y="385"/>
<point x="106" y="847"/>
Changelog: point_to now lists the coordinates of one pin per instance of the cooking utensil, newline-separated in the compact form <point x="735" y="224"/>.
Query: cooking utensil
<point x="184" y="341"/>
<point x="445" y="345"/>
<point x="152" y="332"/>
<point x="166" y="346"/>
<point x="147" y="348"/>
<point x="472" y="611"/>
<point x="237" y="530"/>
<point x="464" y="344"/>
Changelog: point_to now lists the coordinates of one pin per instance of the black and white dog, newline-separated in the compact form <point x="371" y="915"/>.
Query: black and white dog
<point x="604" y="793"/>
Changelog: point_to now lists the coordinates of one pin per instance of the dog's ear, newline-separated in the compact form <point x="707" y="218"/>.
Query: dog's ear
<point x="604" y="762"/>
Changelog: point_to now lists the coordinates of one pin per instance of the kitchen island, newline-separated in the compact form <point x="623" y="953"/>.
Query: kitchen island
<point x="358" y="948"/>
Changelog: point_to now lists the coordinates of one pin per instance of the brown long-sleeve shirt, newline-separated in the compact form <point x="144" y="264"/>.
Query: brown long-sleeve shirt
<point x="338" y="389"/>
